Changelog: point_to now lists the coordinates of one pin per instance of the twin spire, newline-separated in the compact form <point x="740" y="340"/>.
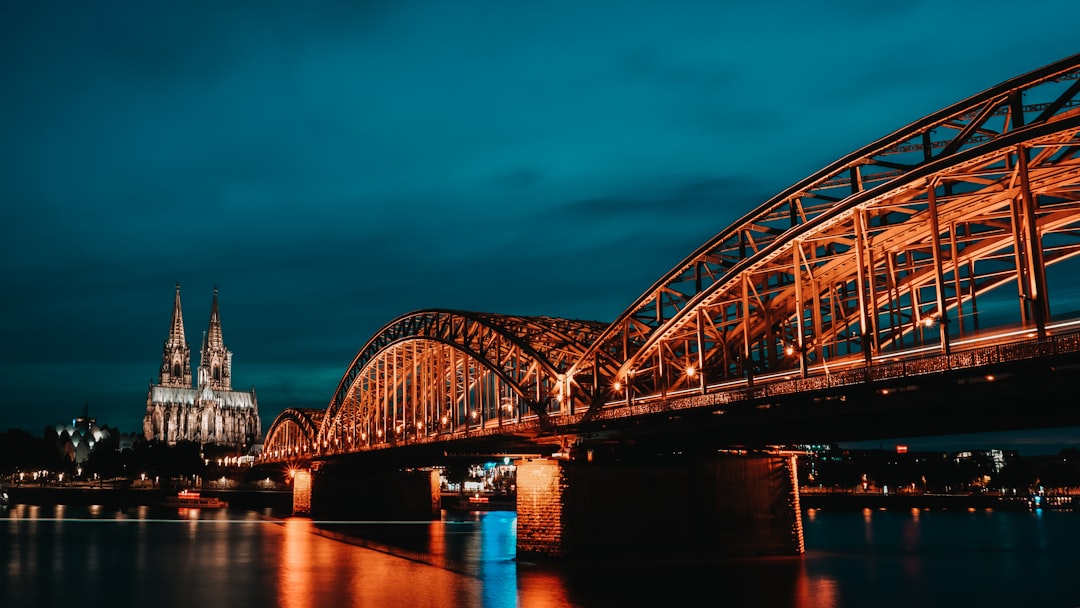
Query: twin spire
<point x="176" y="332"/>
<point x="213" y="336"/>
<point x="215" y="361"/>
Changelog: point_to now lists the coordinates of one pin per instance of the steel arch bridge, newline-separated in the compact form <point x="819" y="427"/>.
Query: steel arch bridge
<point x="293" y="433"/>
<point x="934" y="243"/>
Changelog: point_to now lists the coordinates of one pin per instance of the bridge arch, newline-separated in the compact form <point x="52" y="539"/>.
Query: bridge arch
<point x="436" y="372"/>
<point x="899" y="244"/>
<point x="293" y="434"/>
<point x="949" y="232"/>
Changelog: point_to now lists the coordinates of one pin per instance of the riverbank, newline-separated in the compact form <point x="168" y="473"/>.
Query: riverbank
<point x="281" y="500"/>
<point x="127" y="497"/>
<point x="856" y="501"/>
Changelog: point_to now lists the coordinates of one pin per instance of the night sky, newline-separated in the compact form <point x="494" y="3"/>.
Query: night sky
<point x="330" y="166"/>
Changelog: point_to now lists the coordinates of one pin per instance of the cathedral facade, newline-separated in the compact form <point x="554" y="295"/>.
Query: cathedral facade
<point x="208" y="410"/>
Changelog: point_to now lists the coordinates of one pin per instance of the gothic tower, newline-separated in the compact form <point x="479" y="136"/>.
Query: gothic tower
<point x="215" y="361"/>
<point x="209" y="412"/>
<point x="176" y="356"/>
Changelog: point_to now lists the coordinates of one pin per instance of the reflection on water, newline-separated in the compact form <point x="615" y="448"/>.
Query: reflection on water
<point x="65" y="556"/>
<point x="294" y="585"/>
<point x="315" y="572"/>
<point x="146" y="556"/>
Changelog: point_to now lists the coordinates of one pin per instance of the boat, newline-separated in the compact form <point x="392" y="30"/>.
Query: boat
<point x="5" y="500"/>
<point x="479" y="502"/>
<point x="189" y="499"/>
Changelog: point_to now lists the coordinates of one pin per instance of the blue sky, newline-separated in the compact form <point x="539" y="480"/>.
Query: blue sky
<point x="333" y="165"/>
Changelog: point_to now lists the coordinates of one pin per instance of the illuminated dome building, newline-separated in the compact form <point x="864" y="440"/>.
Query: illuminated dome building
<point x="78" y="439"/>
<point x="209" y="412"/>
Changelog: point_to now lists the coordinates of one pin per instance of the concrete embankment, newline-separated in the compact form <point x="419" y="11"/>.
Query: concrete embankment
<point x="281" y="500"/>
<point x="857" y="501"/>
<point x="124" y="497"/>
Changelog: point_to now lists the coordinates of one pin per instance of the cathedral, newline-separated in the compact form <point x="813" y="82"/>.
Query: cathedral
<point x="209" y="412"/>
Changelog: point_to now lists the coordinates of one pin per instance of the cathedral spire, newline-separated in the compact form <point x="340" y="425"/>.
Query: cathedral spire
<point x="176" y="331"/>
<point x="176" y="355"/>
<point x="214" y="340"/>
<point x="215" y="365"/>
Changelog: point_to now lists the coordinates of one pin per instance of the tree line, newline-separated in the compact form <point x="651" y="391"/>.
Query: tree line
<point x="22" y="452"/>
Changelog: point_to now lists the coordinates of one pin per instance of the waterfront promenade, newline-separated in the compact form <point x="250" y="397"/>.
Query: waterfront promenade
<point x="124" y="496"/>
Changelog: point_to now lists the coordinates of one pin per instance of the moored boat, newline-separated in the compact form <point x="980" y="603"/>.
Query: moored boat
<point x="479" y="502"/>
<point x="190" y="499"/>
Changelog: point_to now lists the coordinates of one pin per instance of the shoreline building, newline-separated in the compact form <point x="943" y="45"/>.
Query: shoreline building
<point x="207" y="411"/>
<point x="76" y="440"/>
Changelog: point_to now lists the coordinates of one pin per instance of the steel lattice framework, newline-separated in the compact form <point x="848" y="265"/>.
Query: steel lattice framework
<point x="293" y="434"/>
<point x="890" y="247"/>
<point x="436" y="372"/>
<point x="938" y="234"/>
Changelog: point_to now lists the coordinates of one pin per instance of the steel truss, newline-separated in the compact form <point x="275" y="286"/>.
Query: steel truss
<point x="293" y="434"/>
<point x="897" y="245"/>
<point x="433" y="373"/>
<point x="941" y="233"/>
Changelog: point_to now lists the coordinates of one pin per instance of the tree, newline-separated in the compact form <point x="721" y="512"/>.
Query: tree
<point x="105" y="459"/>
<point x="21" y="451"/>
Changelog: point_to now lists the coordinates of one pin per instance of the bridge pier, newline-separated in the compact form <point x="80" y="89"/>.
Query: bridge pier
<point x="343" y="492"/>
<point x="301" y="492"/>
<point x="706" y="506"/>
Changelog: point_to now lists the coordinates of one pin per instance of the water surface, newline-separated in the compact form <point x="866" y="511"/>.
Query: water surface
<point x="145" y="556"/>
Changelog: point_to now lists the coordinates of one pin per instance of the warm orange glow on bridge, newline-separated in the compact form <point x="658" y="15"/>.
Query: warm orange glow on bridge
<point x="935" y="248"/>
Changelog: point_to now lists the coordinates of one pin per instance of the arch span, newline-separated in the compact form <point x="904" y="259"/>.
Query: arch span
<point x="951" y="232"/>
<point x="937" y="232"/>
<point x="293" y="434"/>
<point x="435" y="372"/>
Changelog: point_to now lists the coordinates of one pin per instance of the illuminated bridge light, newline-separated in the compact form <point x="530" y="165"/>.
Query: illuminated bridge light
<point x="690" y="371"/>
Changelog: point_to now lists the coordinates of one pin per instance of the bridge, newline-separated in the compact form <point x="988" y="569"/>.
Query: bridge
<point x="924" y="281"/>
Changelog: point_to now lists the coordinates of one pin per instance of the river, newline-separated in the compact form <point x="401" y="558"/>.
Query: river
<point x="67" y="556"/>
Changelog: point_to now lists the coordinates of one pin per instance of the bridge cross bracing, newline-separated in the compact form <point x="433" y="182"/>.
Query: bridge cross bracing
<point x="944" y="233"/>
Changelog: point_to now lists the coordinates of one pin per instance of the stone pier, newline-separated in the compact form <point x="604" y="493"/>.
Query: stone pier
<point x="347" y="493"/>
<point x="708" y="506"/>
<point x="301" y="493"/>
